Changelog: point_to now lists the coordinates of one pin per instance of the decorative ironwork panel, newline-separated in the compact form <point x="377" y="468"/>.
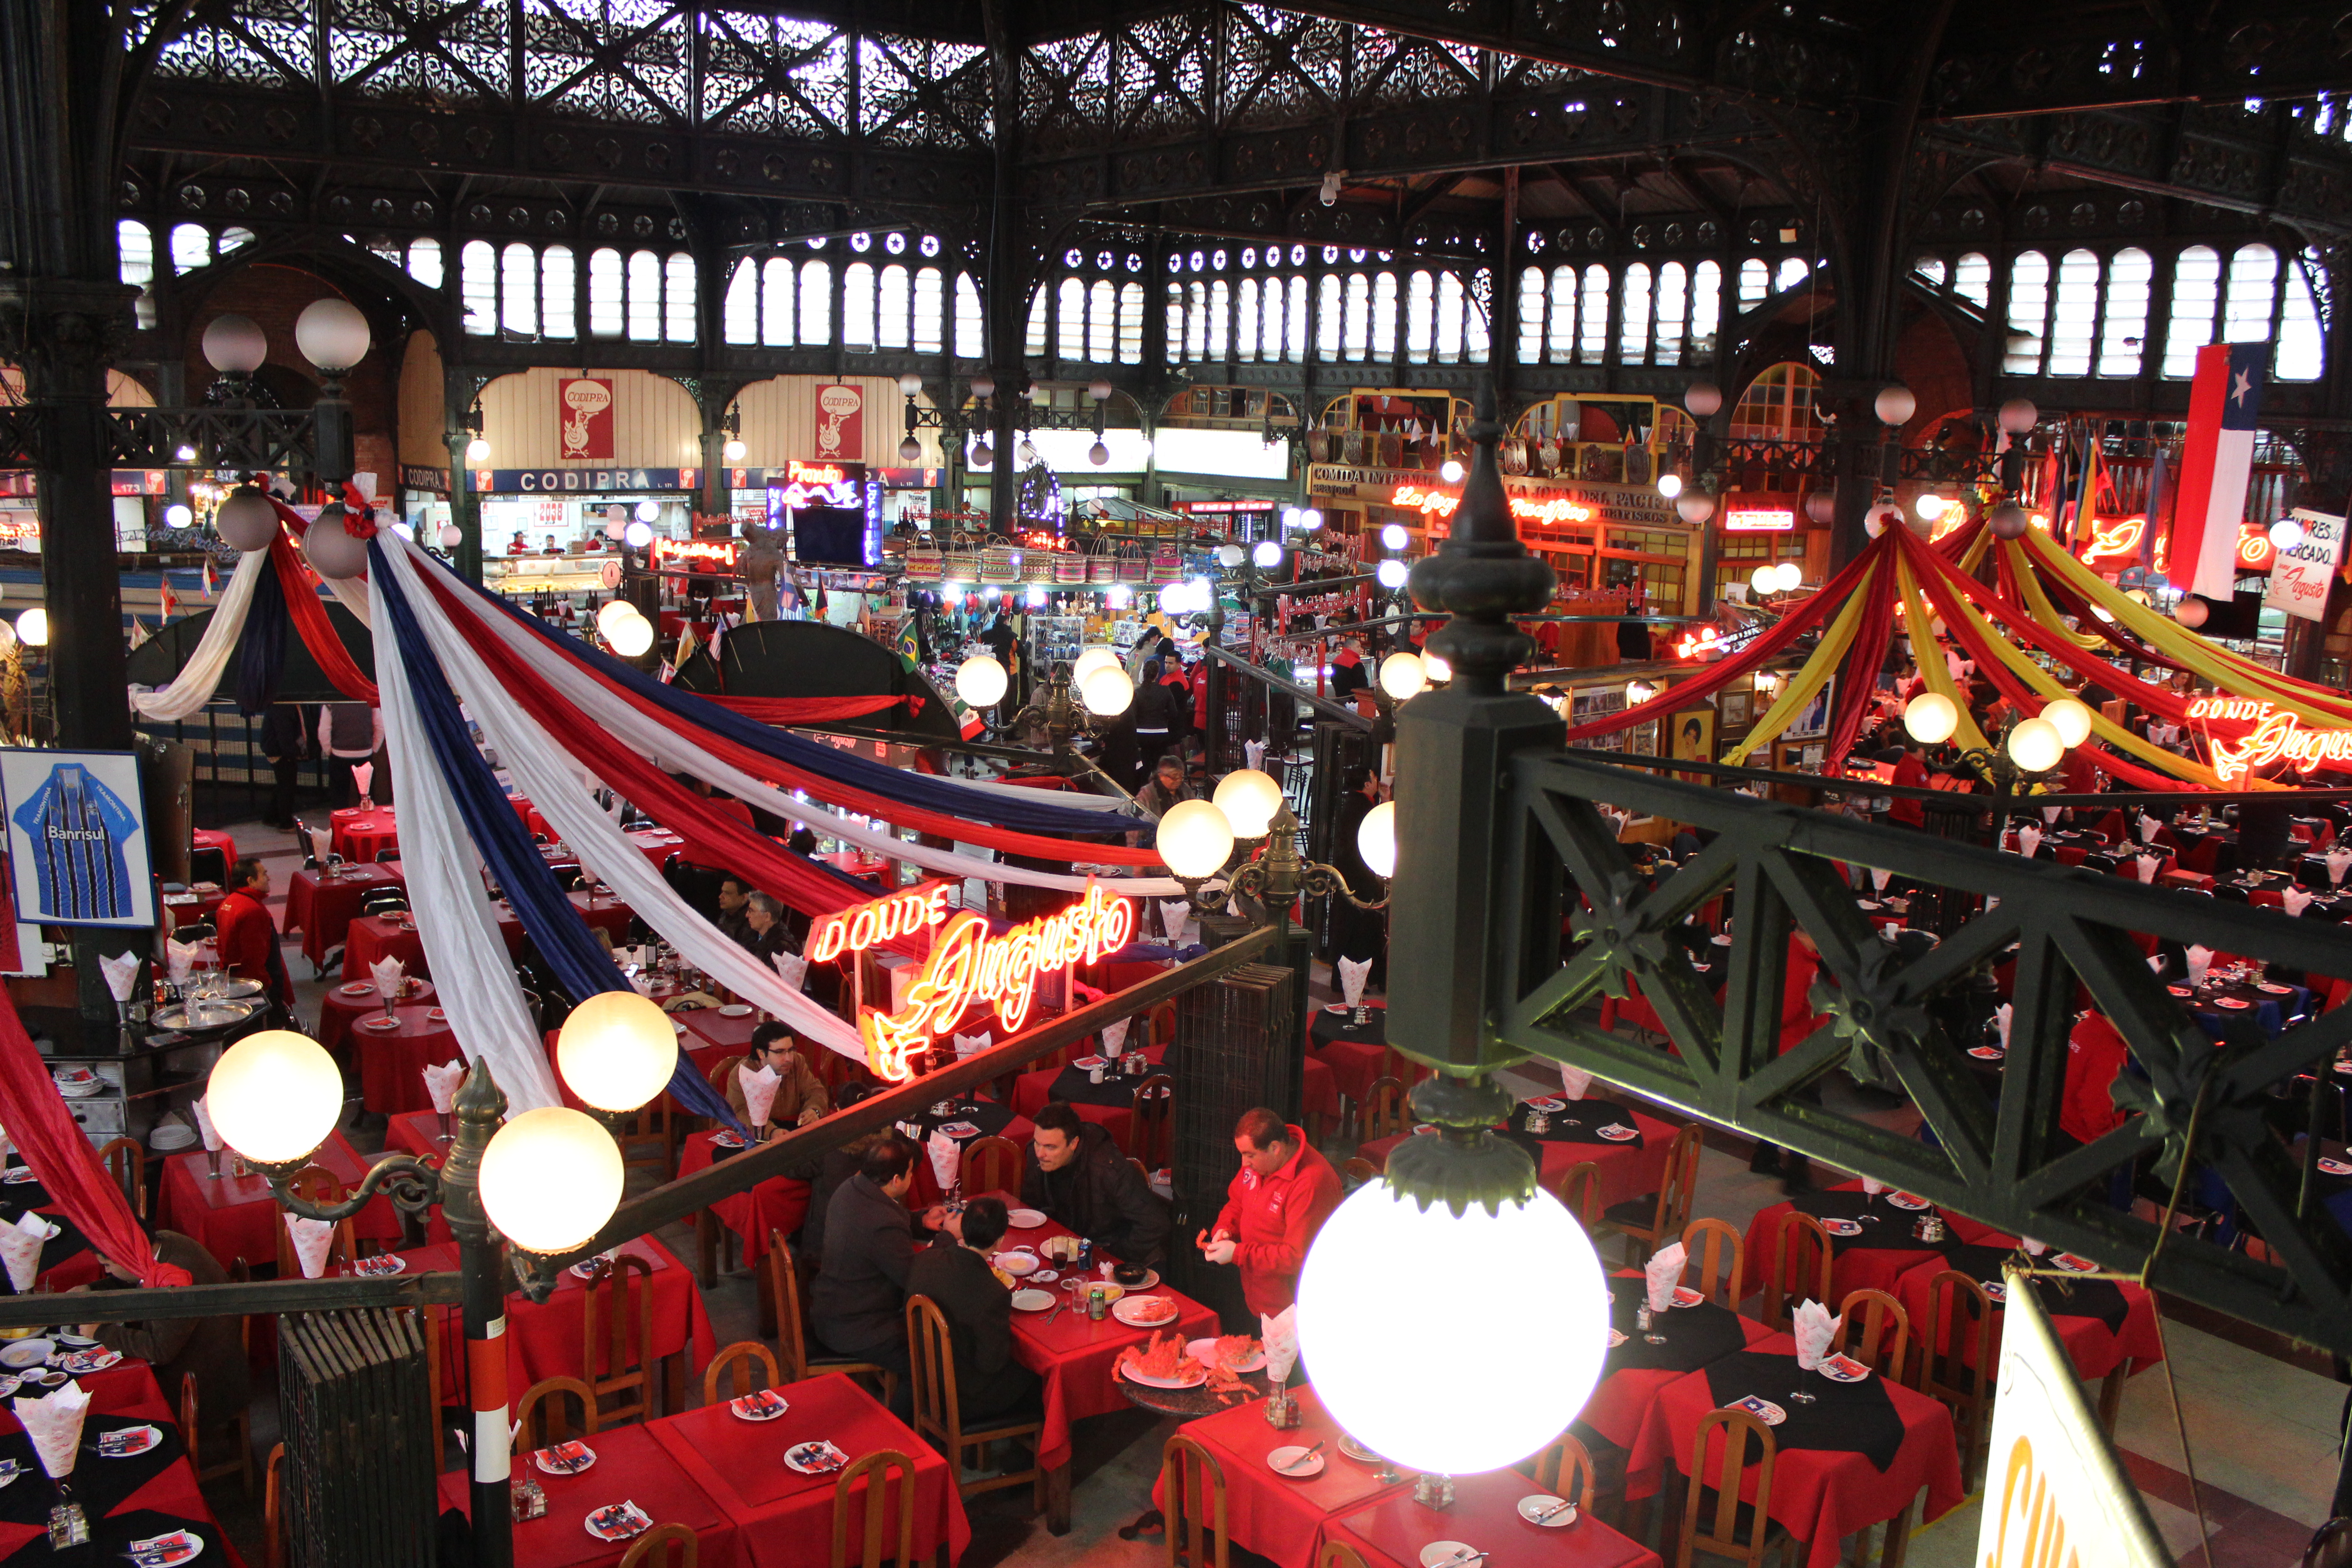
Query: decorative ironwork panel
<point x="358" y="1414"/>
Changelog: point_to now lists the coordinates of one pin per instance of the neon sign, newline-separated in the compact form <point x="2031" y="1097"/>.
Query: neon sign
<point x="1758" y="520"/>
<point x="884" y="920"/>
<point x="720" y="551"/>
<point x="2255" y="551"/>
<point x="968" y="966"/>
<point x="1526" y="509"/>
<point x="2277" y="737"/>
<point x="1699" y="643"/>
<point x="820" y="484"/>
<point x="2114" y="538"/>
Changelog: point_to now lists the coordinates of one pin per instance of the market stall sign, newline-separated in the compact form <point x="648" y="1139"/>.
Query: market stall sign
<point x="582" y="482"/>
<point x="1536" y="509"/>
<point x="719" y="552"/>
<point x="968" y="966"/>
<point x="818" y="484"/>
<point x="1758" y="520"/>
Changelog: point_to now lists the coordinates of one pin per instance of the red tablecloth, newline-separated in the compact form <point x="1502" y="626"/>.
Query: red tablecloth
<point x="1853" y="1267"/>
<point x="1390" y="1531"/>
<point x="236" y="1217"/>
<point x="1622" y="1400"/>
<point x="785" y="1518"/>
<point x="926" y="1190"/>
<point x="323" y="908"/>
<point x="546" y="1339"/>
<point x="778" y="1204"/>
<point x="1319" y="1089"/>
<point x="374" y="937"/>
<point x="1274" y="1515"/>
<point x="1030" y="1091"/>
<point x="712" y="1033"/>
<point x="358" y="835"/>
<point x="2094" y="1348"/>
<point x="190" y="908"/>
<point x="1819" y="1495"/>
<point x="658" y="845"/>
<point x="1078" y="1356"/>
<point x="1355" y="1064"/>
<point x="130" y="1391"/>
<point x="1627" y="1170"/>
<point x="631" y="1465"/>
<point x="127" y="1387"/>
<point x="392" y="1061"/>
<point x="342" y="1006"/>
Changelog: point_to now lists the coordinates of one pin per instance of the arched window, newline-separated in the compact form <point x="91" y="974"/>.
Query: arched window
<point x="138" y="252"/>
<point x="738" y="313"/>
<point x="1972" y="280"/>
<point x="1560" y="344"/>
<point x="2029" y="313"/>
<point x="192" y="247"/>
<point x="816" y="304"/>
<point x="1420" y="302"/>
<point x="1174" y="326"/>
<point x="931" y="310"/>
<point x="1356" y="336"/>
<point x="1102" y="321"/>
<point x="1384" y="316"/>
<point x="478" y="286"/>
<point x="858" y="305"/>
<point x="2074" y="314"/>
<point x="2253" y="290"/>
<point x="2123" y="332"/>
<point x="970" y="337"/>
<point x="1294" y="320"/>
<point x="1070" y="320"/>
<point x="1246" y="319"/>
<point x="891" y="307"/>
<point x="2196" y="298"/>
<point x="1475" y="343"/>
<point x="1755" y="282"/>
<point x="1778" y="406"/>
<point x="1792" y="272"/>
<point x="1328" y="312"/>
<point x="518" y="292"/>
<point x="1531" y="315"/>
<point x="1221" y="318"/>
<point x="1130" y="324"/>
<point x="1271" y="334"/>
<point x="424" y="262"/>
<point x="1032" y="342"/>
<point x="1707" y="307"/>
<point x="1196" y="320"/>
<point x="677" y="300"/>
<point x="2301" y="353"/>
<point x="233" y="238"/>
<point x="1931" y="270"/>
<point x="558" y="285"/>
<point x="645" y="297"/>
<point x="1633" y="323"/>
<point x="1592" y="336"/>
<point x="1674" y="305"/>
<point x="606" y="292"/>
<point x="777" y="303"/>
<point x="1451" y="299"/>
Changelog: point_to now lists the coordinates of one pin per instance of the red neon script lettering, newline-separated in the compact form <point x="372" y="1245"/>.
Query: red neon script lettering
<point x="2277" y="737"/>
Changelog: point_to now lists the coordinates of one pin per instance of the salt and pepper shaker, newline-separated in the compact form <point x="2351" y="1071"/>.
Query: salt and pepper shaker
<point x="529" y="1499"/>
<point x="1433" y="1490"/>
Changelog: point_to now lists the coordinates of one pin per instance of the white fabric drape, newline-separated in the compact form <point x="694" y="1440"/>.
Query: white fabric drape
<point x="471" y="973"/>
<point x="542" y="770"/>
<point x="201" y="676"/>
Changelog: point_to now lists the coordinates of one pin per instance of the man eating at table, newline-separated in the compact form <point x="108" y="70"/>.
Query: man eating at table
<point x="800" y="1094"/>
<point x="1279" y="1199"/>
<point x="246" y="937"/>
<point x="963" y="1284"/>
<point x="213" y="1348"/>
<point x="858" y="1303"/>
<point x="1077" y="1175"/>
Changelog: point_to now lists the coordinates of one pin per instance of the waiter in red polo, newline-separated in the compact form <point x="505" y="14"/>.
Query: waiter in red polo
<point x="1273" y="1210"/>
<point x="247" y="937"/>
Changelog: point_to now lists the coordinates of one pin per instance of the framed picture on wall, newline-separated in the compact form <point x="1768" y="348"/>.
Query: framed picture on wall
<point x="1694" y="738"/>
<point x="1812" y="721"/>
<point x="76" y="830"/>
<point x="1735" y="709"/>
<point x="1643" y="739"/>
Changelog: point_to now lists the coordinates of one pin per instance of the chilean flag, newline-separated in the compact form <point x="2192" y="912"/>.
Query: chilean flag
<point x="2211" y="502"/>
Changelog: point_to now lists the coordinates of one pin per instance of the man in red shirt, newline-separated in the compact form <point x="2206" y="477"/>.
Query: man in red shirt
<point x="247" y="937"/>
<point x="1911" y="772"/>
<point x="1275" y="1204"/>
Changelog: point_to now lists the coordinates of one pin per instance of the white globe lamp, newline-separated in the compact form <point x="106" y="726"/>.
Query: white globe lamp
<point x="1450" y="471"/>
<point x="981" y="680"/>
<point x="1894" y="405"/>
<point x="1091" y="659"/>
<point x="613" y="612"/>
<point x="329" y="547"/>
<point x="1376" y="839"/>
<point x="1229" y="557"/>
<point x="1703" y="398"/>
<point x="33" y="627"/>
<point x="1106" y="690"/>
<point x="1434" y="667"/>
<point x="637" y="535"/>
<point x="451" y="536"/>
<point x="2190" y="612"/>
<point x="550" y="1178"/>
<point x="1393" y="536"/>
<point x="1249" y="797"/>
<point x="2035" y="745"/>
<point x="2286" y="533"/>
<point x="632" y="637"/>
<point x="1764" y="579"/>
<point x="1267" y="553"/>
<point x="616" y="1050"/>
<point x="2072" y="719"/>
<point x="234" y="345"/>
<point x="1195" y="840"/>
<point x="1670" y="485"/>
<point x="246" y="519"/>
<point x="1931" y="718"/>
<point x="478" y="450"/>
<point x="332" y="334"/>
<point x="274" y="1097"/>
<point x="1403" y="676"/>
<point x="1391" y="574"/>
<point x="1791" y="576"/>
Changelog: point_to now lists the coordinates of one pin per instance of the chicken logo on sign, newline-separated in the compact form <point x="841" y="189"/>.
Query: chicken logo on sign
<point x="841" y="422"/>
<point x="585" y="429"/>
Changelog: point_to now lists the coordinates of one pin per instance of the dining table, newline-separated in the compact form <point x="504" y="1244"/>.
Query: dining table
<point x="1872" y="1242"/>
<point x="350" y="1001"/>
<point x="776" y="1206"/>
<point x="1392" y="1529"/>
<point x="2105" y="1325"/>
<point x="238" y="1217"/>
<point x="1629" y="1149"/>
<point x="323" y="902"/>
<point x="1679" y="1341"/>
<point x="360" y="833"/>
<point x="373" y="938"/>
<point x="66" y="1258"/>
<point x="1278" y="1516"/>
<point x="632" y="1465"/>
<point x="968" y="1121"/>
<point x="1356" y="1054"/>
<point x="1110" y="1104"/>
<point x="1858" y="1456"/>
<point x="392" y="1056"/>
<point x="2216" y="1000"/>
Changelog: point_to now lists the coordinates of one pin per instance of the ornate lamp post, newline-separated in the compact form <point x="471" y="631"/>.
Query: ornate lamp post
<point x="1199" y="839"/>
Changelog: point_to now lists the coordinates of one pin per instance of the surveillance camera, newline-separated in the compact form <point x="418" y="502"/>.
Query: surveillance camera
<point x="1331" y="187"/>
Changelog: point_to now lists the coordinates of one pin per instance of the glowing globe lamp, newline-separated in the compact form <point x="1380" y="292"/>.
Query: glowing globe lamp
<point x="1376" y="839"/>
<point x="1433" y="666"/>
<point x="1391" y="573"/>
<point x="1249" y="797"/>
<point x="632" y="637"/>
<point x="616" y="1050"/>
<point x="1195" y="840"/>
<point x="613" y="612"/>
<point x="2072" y="719"/>
<point x="2190" y="612"/>
<point x="550" y="1178"/>
<point x="1268" y="554"/>
<point x="1401" y="676"/>
<point x="1670" y="485"/>
<point x="1393" y="536"/>
<point x="1764" y="579"/>
<point x="981" y="680"/>
<point x="1091" y="659"/>
<point x="274" y="1097"/>
<point x="1107" y="690"/>
<point x="2035" y="745"/>
<point x="1931" y="718"/>
<point x="33" y="627"/>
<point x="1791" y="576"/>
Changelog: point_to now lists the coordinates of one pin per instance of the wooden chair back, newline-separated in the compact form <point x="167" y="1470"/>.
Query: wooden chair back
<point x="1579" y="1191"/>
<point x="1711" y="1509"/>
<point x="1956" y="1360"/>
<point x="618" y="1329"/>
<point x="1335" y="1555"/>
<point x="1565" y="1469"/>
<point x="1875" y="1329"/>
<point x="879" y="1470"/>
<point x="273" y="1510"/>
<point x="544" y="1414"/>
<point x="665" y="1546"/>
<point x="1162" y="1022"/>
<point x="1193" y="1499"/>
<point x="939" y="1411"/>
<point x="1711" y="1261"/>
<point x="1681" y="1185"/>
<point x="793" y="1362"/>
<point x="1800" y="1268"/>
<point x="240" y="1427"/>
<point x="1357" y="1171"/>
<point x="1152" y="1138"/>
<point x="744" y="1367"/>
<point x="991" y="1164"/>
<point x="1383" y="1112"/>
<point x="125" y="1160"/>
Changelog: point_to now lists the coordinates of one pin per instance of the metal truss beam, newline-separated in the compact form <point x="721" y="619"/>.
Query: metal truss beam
<point x="2041" y="63"/>
<point x="2007" y="1164"/>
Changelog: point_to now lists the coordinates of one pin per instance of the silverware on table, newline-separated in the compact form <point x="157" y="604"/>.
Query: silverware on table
<point x="1292" y="1467"/>
<point x="1559" y="1506"/>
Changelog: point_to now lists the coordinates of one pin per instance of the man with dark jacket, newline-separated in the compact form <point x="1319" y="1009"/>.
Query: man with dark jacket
<point x="858" y="1304"/>
<point x="1159" y="717"/>
<point x="211" y="1347"/>
<point x="1077" y="1175"/>
<point x="963" y="1284"/>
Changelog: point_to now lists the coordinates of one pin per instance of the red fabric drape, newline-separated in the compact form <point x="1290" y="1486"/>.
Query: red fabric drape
<point x="60" y="1154"/>
<point x="309" y="616"/>
<point x="801" y="710"/>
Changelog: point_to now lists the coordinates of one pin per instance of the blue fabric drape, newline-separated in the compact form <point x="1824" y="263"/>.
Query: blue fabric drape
<point x="261" y="647"/>
<point x="548" y="915"/>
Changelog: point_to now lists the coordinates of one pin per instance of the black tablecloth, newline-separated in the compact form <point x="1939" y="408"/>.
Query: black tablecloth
<point x="69" y="1242"/>
<point x="1328" y="1027"/>
<point x="1114" y="1089"/>
<point x="101" y="1486"/>
<point x="990" y="1116"/>
<point x="1695" y="1335"/>
<point x="1589" y="1117"/>
<point x="1857" y="1418"/>
<point x="2060" y="1298"/>
<point x="1885" y="1227"/>
<point x="109" y="1539"/>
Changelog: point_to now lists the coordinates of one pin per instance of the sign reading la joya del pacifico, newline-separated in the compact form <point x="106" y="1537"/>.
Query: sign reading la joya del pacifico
<point x="967" y="966"/>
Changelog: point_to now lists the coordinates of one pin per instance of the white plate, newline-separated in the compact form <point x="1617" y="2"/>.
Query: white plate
<point x="1024" y="1219"/>
<point x="1357" y="1451"/>
<point x="736" y="1010"/>
<point x="2075" y="1265"/>
<point x="1295" y="1461"/>
<point x="548" y="1465"/>
<point x="1842" y="1226"/>
<point x="1126" y="1307"/>
<point x="2335" y="1167"/>
<point x="380" y="1267"/>
<point x="1205" y="1353"/>
<point x="1150" y="1280"/>
<point x="821" y="1458"/>
<point x="356" y="988"/>
<point x="755" y="1408"/>
<point x="83" y="1363"/>
<point x="1148" y="1381"/>
<point x="168" y="1550"/>
<point x="1843" y="1369"/>
<point x="1032" y="1300"/>
<point x="1618" y="1134"/>
<point x="1995" y="1289"/>
<point x="1908" y="1201"/>
<point x="1017" y="1263"/>
<point x="25" y="1354"/>
<point x="172" y="1137"/>
<point x="960" y="1129"/>
<point x="1987" y="1053"/>
<point x="1684" y="1296"/>
<point x="635" y="1524"/>
<point x="1616" y="1337"/>
<point x="1762" y="1409"/>
<point x="1548" y="1104"/>
<point x="133" y="1440"/>
<point x="75" y="1342"/>
<point x="1533" y="1510"/>
<point x="23" y="1174"/>
<point x="1438" y="1554"/>
<point x="1087" y="1064"/>
<point x="725" y="1139"/>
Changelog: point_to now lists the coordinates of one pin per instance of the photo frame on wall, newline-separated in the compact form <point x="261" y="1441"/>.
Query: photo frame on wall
<point x="1693" y="737"/>
<point x="1735" y="709"/>
<point x="1812" y="721"/>
<point x="1643" y="739"/>
<point x="77" y="834"/>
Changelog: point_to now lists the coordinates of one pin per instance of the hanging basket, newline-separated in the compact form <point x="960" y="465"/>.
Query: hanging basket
<point x="1000" y="563"/>
<point x="1038" y="565"/>
<point x="926" y="566"/>
<point x="960" y="565"/>
<point x="1069" y="567"/>
<point x="1167" y="564"/>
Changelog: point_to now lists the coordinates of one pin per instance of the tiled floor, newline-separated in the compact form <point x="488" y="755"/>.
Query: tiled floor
<point x="2261" y="1430"/>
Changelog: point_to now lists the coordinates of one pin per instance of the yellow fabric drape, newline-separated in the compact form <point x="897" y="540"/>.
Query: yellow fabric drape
<point x="1808" y="681"/>
<point x="1933" y="667"/>
<point x="2037" y="597"/>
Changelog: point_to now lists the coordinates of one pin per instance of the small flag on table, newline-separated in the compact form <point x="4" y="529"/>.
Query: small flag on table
<point x="167" y="600"/>
<point x="210" y="581"/>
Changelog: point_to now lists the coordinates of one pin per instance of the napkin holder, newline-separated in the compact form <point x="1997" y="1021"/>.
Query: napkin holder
<point x="1432" y="1490"/>
<point x="1361" y="1016"/>
<point x="1929" y="1227"/>
<point x="1538" y="1124"/>
<point x="1134" y="1064"/>
<point x="1281" y="1409"/>
<point x="527" y="1500"/>
<point x="68" y="1526"/>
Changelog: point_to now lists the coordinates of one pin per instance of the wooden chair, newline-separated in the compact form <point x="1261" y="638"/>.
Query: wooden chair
<point x="1335" y="1555"/>
<point x="240" y="1424"/>
<point x="1153" y="1129"/>
<point x="1193" y="1499"/>
<point x="1740" y="1530"/>
<point x="1162" y="1023"/>
<point x="791" y="1329"/>
<point x="1357" y="1171"/>
<point x="1800" y="1268"/>
<point x="1579" y="1191"/>
<point x="1956" y="1361"/>
<point x="939" y="1416"/>
<point x="1646" y="1221"/>
<point x="1383" y="1113"/>
<point x="878" y="1469"/>
<point x="542" y="1416"/>
<point x="665" y="1546"/>
<point x="1705" y="1266"/>
<point x="1875" y="1329"/>
<point x="646" y="1130"/>
<point x="992" y="1165"/>
<point x="736" y="1366"/>
<point x="1565" y="1469"/>
<point x="619" y="1363"/>
<point x="125" y="1160"/>
<point x="273" y="1509"/>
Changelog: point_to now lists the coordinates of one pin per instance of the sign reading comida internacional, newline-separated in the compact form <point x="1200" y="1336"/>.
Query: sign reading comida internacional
<point x="2055" y="1495"/>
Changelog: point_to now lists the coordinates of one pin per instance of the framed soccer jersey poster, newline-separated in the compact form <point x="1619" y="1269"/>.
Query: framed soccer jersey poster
<point x="77" y="838"/>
